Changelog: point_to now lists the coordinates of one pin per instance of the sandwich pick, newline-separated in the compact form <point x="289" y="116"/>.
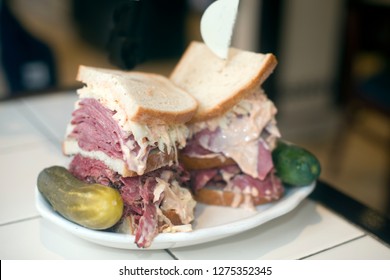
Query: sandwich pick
<point x="217" y="25"/>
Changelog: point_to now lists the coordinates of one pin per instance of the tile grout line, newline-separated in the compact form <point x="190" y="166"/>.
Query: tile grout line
<point x="169" y="252"/>
<point x="20" y="220"/>
<point x="335" y="246"/>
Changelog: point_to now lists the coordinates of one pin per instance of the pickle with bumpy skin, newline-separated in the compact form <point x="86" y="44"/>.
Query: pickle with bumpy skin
<point x="295" y="165"/>
<point x="93" y="206"/>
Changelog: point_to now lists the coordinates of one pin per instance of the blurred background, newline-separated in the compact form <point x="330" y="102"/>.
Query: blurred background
<point x="331" y="86"/>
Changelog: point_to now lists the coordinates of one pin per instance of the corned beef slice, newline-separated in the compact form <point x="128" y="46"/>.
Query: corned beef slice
<point x="96" y="130"/>
<point x="270" y="188"/>
<point x="231" y="178"/>
<point x="208" y="142"/>
<point x="93" y="171"/>
<point x="147" y="224"/>
<point x="194" y="147"/>
<point x="247" y="134"/>
<point x="264" y="160"/>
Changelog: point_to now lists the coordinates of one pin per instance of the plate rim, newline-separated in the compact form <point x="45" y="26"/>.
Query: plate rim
<point x="295" y="195"/>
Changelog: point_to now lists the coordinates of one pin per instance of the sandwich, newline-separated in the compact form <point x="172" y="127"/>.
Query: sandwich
<point x="125" y="132"/>
<point x="233" y="131"/>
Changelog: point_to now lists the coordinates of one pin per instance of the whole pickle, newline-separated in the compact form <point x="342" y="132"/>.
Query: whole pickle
<point x="295" y="165"/>
<point x="93" y="206"/>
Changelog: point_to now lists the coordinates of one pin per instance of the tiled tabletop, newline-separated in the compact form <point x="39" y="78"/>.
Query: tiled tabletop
<point x="31" y="131"/>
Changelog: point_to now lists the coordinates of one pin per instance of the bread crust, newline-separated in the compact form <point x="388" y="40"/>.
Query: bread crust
<point x="228" y="198"/>
<point x="154" y="98"/>
<point x="154" y="161"/>
<point x="173" y="217"/>
<point x="226" y="105"/>
<point x="193" y="163"/>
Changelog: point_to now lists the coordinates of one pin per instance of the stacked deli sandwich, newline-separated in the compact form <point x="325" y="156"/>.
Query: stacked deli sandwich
<point x="233" y="131"/>
<point x="140" y="133"/>
<point x="125" y="132"/>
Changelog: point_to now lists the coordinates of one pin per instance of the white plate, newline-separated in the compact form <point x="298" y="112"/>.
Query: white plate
<point x="211" y="222"/>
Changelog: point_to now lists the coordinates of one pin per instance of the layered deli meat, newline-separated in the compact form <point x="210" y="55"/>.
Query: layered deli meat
<point x="149" y="200"/>
<point x="247" y="134"/>
<point x="107" y="134"/>
<point x="103" y="141"/>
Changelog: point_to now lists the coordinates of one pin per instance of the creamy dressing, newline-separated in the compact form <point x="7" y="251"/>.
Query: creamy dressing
<point x="179" y="228"/>
<point x="178" y="199"/>
<point x="248" y="202"/>
<point x="174" y="198"/>
<point x="237" y="198"/>
<point x="240" y="130"/>
<point x="242" y="200"/>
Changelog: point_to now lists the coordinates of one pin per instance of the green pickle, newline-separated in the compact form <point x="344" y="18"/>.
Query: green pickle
<point x="93" y="206"/>
<point x="295" y="165"/>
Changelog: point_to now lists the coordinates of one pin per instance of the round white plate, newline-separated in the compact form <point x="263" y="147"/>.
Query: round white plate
<point x="211" y="222"/>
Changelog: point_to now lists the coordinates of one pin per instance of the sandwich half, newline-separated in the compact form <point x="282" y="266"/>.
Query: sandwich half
<point x="125" y="132"/>
<point x="234" y="129"/>
<point x="132" y="121"/>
